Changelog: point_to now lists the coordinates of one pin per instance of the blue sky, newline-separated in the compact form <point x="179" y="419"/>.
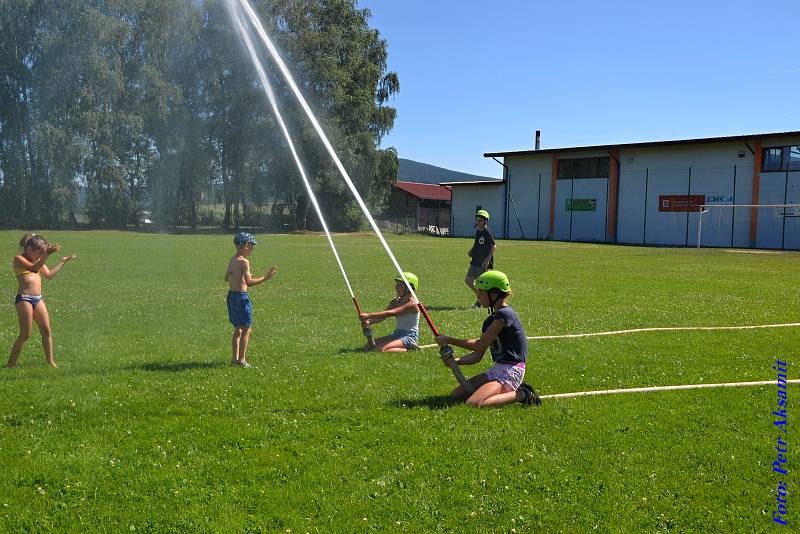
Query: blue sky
<point x="480" y="76"/>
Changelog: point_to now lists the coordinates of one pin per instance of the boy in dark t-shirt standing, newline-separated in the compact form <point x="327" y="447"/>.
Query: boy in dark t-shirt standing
<point x="481" y="253"/>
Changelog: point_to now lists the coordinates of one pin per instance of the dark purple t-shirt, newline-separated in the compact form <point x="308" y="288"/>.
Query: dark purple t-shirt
<point x="511" y="345"/>
<point x="481" y="247"/>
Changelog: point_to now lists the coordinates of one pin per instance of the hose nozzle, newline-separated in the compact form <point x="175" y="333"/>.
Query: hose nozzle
<point x="446" y="352"/>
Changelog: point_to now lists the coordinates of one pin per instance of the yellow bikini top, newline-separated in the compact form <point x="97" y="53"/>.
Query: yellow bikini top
<point x="23" y="271"/>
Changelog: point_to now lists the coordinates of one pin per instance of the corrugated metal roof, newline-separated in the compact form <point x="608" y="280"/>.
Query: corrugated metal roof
<point x="702" y="140"/>
<point x="425" y="191"/>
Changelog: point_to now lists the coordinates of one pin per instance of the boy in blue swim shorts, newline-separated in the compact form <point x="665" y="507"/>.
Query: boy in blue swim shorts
<point x="240" y="309"/>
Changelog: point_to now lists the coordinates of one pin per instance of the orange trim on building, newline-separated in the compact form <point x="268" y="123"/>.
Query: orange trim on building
<point x="759" y="153"/>
<point x="553" y="196"/>
<point x="613" y="194"/>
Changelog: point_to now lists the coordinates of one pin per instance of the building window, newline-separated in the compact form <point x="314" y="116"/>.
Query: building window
<point x="781" y="158"/>
<point x="794" y="158"/>
<point x="773" y="159"/>
<point x="584" y="168"/>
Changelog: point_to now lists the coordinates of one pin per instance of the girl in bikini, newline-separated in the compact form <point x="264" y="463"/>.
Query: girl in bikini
<point x="29" y="267"/>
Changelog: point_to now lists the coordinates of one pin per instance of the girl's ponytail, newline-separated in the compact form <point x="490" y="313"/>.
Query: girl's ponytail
<point x="32" y="240"/>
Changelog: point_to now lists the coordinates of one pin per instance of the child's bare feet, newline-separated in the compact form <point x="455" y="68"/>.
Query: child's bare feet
<point x="52" y="363"/>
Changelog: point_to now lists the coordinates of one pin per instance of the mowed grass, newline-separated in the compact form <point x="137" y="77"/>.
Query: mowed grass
<point x="145" y="427"/>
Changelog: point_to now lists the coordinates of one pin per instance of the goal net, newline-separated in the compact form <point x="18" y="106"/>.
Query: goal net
<point x="729" y="225"/>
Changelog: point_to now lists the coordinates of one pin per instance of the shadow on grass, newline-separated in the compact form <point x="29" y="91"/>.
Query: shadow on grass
<point x="177" y="367"/>
<point x="436" y="402"/>
<point x="446" y="308"/>
<point x="346" y="350"/>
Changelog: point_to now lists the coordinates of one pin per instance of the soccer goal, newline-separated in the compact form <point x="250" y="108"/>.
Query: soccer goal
<point x="719" y="224"/>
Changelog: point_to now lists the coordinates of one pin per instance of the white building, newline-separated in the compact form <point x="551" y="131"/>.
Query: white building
<point x="645" y="193"/>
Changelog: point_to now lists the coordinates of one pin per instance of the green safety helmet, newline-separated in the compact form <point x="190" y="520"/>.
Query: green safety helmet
<point x="493" y="280"/>
<point x="411" y="277"/>
<point x="482" y="213"/>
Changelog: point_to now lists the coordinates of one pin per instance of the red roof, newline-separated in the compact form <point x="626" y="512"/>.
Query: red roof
<point x="425" y="191"/>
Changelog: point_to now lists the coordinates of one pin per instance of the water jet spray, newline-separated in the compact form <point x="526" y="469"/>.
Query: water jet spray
<point x="240" y="26"/>
<point x="447" y="351"/>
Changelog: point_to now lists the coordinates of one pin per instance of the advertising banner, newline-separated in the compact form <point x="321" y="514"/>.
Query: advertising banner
<point x="680" y="202"/>
<point x="581" y="204"/>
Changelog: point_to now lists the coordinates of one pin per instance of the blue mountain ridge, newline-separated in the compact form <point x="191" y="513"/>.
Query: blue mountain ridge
<point x="423" y="173"/>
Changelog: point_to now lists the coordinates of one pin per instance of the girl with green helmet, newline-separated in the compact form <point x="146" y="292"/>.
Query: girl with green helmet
<point x="405" y="309"/>
<point x="503" y="334"/>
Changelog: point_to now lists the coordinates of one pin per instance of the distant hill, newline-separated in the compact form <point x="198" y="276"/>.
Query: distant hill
<point x="422" y="173"/>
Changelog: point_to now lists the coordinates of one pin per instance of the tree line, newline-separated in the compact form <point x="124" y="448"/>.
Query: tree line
<point x="125" y="107"/>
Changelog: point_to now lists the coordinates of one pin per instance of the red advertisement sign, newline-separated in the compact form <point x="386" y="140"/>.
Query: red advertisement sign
<point x="680" y="202"/>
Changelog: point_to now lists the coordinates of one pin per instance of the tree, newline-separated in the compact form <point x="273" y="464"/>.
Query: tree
<point x="234" y="112"/>
<point x="340" y="64"/>
<point x="164" y="45"/>
<point x="20" y="22"/>
<point x="149" y="104"/>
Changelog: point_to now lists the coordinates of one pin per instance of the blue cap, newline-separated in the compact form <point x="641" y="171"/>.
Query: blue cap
<point x="242" y="238"/>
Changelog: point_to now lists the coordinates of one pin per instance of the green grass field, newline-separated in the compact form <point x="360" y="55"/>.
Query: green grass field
<point x="145" y="427"/>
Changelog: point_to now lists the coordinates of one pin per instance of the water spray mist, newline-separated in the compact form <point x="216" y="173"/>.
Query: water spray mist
<point x="446" y="351"/>
<point x="324" y="138"/>
<point x="240" y="26"/>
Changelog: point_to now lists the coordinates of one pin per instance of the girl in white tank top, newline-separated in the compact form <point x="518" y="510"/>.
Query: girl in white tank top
<point x="406" y="310"/>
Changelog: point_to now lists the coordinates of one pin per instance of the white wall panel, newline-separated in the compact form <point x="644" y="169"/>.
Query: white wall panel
<point x="578" y="225"/>
<point x="544" y="206"/>
<point x="769" y="232"/>
<point x="467" y="197"/>
<point x="562" y="228"/>
<point x="524" y="192"/>
<point x="664" y="227"/>
<point x="631" y="207"/>
<point x="590" y="225"/>
<point x="716" y="185"/>
<point x="744" y="195"/>
<point x="711" y="155"/>
<point x="791" y="240"/>
<point x="529" y="178"/>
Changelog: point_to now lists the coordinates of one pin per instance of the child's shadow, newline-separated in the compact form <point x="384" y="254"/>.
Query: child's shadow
<point x="435" y="402"/>
<point x="346" y="350"/>
<point x="178" y="367"/>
